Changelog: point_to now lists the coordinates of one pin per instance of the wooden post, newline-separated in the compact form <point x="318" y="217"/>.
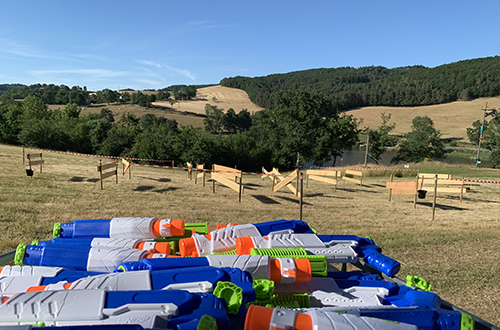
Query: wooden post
<point x="23" y="156"/>
<point x="241" y="189"/>
<point x="301" y="194"/>
<point x="390" y="190"/>
<point x="462" y="189"/>
<point x="100" y="172"/>
<point x="298" y="174"/>
<point x="173" y="167"/>
<point x="416" y="193"/>
<point x="435" y="196"/>
<point x="213" y="181"/>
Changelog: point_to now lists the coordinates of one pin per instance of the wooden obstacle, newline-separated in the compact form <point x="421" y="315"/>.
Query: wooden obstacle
<point x="353" y="176"/>
<point x="127" y="167"/>
<point x="190" y="170"/>
<point x="280" y="181"/>
<point x="404" y="188"/>
<point x="35" y="159"/>
<point x="444" y="185"/>
<point x="328" y="176"/>
<point x="229" y="177"/>
<point x="201" y="175"/>
<point x="103" y="175"/>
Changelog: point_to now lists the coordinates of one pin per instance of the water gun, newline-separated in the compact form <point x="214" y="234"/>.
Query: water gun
<point x="194" y="279"/>
<point x="158" y="309"/>
<point x="279" y="270"/>
<point x="90" y="258"/>
<point x="14" y="279"/>
<point x="130" y="243"/>
<point x="420" y="309"/>
<point x="224" y="238"/>
<point x="337" y="248"/>
<point x="141" y="228"/>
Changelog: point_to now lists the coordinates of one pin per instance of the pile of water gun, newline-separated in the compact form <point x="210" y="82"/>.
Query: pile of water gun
<point x="148" y="273"/>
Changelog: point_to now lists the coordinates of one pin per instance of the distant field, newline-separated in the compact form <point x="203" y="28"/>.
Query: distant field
<point x="452" y="119"/>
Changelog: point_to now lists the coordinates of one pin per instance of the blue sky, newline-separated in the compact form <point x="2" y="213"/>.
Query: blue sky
<point x="158" y="43"/>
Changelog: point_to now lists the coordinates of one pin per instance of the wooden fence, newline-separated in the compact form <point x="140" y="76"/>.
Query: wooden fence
<point x="229" y="177"/>
<point x="103" y="175"/>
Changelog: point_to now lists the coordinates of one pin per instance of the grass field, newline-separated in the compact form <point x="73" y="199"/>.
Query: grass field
<point x="457" y="253"/>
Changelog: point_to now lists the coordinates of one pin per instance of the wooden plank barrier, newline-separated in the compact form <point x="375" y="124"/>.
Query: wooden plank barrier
<point x="444" y="185"/>
<point x="328" y="176"/>
<point x="404" y="188"/>
<point x="228" y="177"/>
<point x="103" y="175"/>
<point x="201" y="175"/>
<point x="353" y="176"/>
<point x="127" y="167"/>
<point x="35" y="159"/>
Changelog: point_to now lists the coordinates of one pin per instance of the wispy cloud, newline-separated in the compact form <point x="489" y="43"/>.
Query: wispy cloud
<point x="183" y="72"/>
<point x="150" y="63"/>
<point x="97" y="73"/>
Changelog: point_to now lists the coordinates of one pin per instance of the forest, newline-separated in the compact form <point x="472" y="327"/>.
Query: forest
<point x="379" y="86"/>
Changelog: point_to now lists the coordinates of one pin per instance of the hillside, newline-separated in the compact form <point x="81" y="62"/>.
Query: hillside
<point x="451" y="119"/>
<point x="222" y="97"/>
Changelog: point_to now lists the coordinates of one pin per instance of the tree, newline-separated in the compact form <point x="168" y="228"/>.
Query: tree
<point x="230" y="122"/>
<point x="214" y="121"/>
<point x="424" y="141"/>
<point x="492" y="142"/>
<point x="380" y="138"/>
<point x="474" y="132"/>
<point x="304" y="127"/>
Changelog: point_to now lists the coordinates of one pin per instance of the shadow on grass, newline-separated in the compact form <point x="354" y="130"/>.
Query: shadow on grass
<point x="295" y="201"/>
<point x="154" y="179"/>
<point x="81" y="179"/>
<point x="358" y="190"/>
<point x="160" y="191"/>
<point x="264" y="199"/>
<point x="442" y="207"/>
<point x="143" y="188"/>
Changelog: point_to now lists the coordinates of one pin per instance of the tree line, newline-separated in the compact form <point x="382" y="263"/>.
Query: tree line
<point x="379" y="86"/>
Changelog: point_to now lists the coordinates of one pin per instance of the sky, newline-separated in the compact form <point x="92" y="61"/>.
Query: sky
<point x="158" y="43"/>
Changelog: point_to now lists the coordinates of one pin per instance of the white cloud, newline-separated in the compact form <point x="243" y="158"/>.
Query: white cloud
<point x="96" y="73"/>
<point x="150" y="63"/>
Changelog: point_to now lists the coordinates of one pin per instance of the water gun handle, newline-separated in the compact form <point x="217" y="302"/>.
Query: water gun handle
<point x="381" y="262"/>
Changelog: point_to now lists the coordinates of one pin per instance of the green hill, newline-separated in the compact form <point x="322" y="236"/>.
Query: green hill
<point x="379" y="86"/>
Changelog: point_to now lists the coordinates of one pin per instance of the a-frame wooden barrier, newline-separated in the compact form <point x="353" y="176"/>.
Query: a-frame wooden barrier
<point x="190" y="170"/>
<point x="229" y="177"/>
<point x="103" y="175"/>
<point x="280" y="181"/>
<point x="127" y="167"/>
<point x="200" y="173"/>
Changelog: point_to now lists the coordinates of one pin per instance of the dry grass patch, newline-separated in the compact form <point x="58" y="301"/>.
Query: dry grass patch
<point x="458" y="252"/>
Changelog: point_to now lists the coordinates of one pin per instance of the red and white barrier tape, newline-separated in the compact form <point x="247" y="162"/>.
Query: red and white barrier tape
<point x="100" y="156"/>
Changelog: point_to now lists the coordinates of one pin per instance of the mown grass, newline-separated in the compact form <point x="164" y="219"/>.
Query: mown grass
<point x="458" y="252"/>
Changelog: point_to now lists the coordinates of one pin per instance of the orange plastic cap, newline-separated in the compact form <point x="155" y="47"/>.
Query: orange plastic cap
<point x="4" y="299"/>
<point x="258" y="318"/>
<point x="187" y="247"/>
<point x="244" y="245"/>
<point x="220" y="226"/>
<point x="162" y="247"/>
<point x="177" y="227"/>
<point x="159" y="247"/>
<point x="304" y="271"/>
